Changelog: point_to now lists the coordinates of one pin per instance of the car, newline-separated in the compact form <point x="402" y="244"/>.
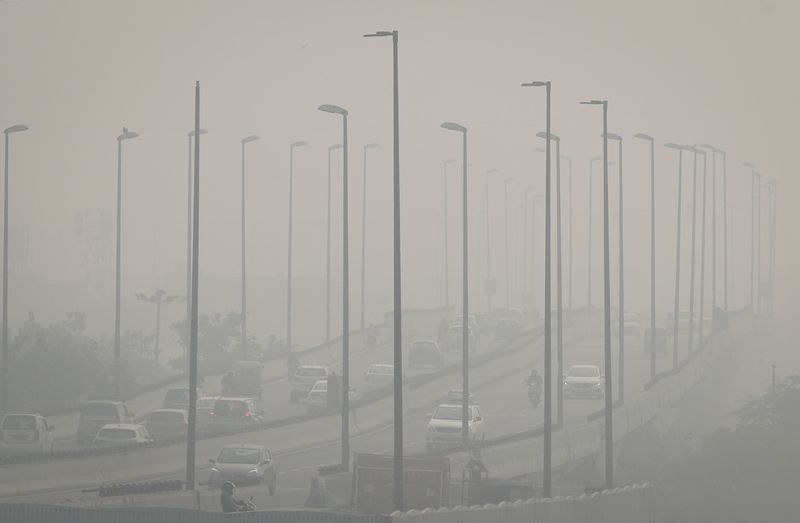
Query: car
<point x="233" y="412"/>
<point x="506" y="329"/>
<point x="453" y="340"/>
<point x="304" y="379"/>
<point x="178" y="398"/>
<point x="425" y="353"/>
<point x="378" y="376"/>
<point x="632" y="329"/>
<point x="473" y="322"/>
<point x="99" y="412"/>
<point x="25" y="434"/>
<point x="444" y="427"/>
<point x="204" y="407"/>
<point x="243" y="463"/>
<point x="583" y="381"/>
<point x="121" y="435"/>
<point x="168" y="423"/>
<point x="317" y="399"/>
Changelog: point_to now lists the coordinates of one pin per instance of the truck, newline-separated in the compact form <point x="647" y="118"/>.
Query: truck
<point x="426" y="482"/>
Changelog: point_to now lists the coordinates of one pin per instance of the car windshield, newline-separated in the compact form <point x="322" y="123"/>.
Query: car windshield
<point x="320" y="386"/>
<point x="106" y="410"/>
<point x="239" y="455"/>
<point x="18" y="422"/>
<point x="205" y="403"/>
<point x="584" y="372"/>
<point x="117" y="433"/>
<point x="166" y="417"/>
<point x="178" y="396"/>
<point x="381" y="369"/>
<point x="450" y="413"/>
<point x="306" y="372"/>
<point x="230" y="408"/>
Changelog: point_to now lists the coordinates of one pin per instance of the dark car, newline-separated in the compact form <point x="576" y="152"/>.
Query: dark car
<point x="425" y="353"/>
<point x="506" y="329"/>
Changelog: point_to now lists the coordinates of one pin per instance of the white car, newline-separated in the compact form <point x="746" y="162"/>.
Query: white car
<point x="582" y="381"/>
<point x="25" y="434"/>
<point x="453" y="340"/>
<point x="377" y="377"/>
<point x="304" y="379"/>
<point x="121" y="434"/>
<point x="317" y="399"/>
<point x="243" y="464"/>
<point x="168" y="423"/>
<point x="444" y="427"/>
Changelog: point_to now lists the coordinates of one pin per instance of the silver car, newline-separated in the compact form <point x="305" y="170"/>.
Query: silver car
<point x="243" y="464"/>
<point x="583" y="381"/>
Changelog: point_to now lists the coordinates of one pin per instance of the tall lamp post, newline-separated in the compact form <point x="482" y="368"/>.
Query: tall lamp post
<point x="703" y="249"/>
<point x="692" y="264"/>
<point x="714" y="152"/>
<point x="328" y="256"/>
<point x="292" y="147"/>
<point x="650" y="139"/>
<point x="676" y="311"/>
<point x="398" y="353"/>
<point x="160" y="298"/>
<point x="725" y="221"/>
<point x="335" y="109"/>
<point x="5" y="388"/>
<point x="465" y="289"/>
<point x="126" y="135"/>
<point x="752" y="232"/>
<point x="506" y="183"/>
<point x="621" y="319"/>
<point x="489" y="286"/>
<point x="569" y="233"/>
<point x="446" y="252"/>
<point x="364" y="236"/>
<point x="589" y="248"/>
<point x="245" y="141"/>
<point x="609" y="440"/>
<point x="190" y="135"/>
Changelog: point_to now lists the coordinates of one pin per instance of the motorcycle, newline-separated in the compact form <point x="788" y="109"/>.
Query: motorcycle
<point x="534" y="393"/>
<point x="248" y="506"/>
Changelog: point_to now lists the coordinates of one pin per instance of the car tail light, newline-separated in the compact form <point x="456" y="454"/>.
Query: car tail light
<point x="248" y="414"/>
<point x="211" y="413"/>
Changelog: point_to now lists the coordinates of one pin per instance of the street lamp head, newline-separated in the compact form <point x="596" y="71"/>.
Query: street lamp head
<point x="379" y="33"/>
<point x="328" y="108"/>
<point x="596" y="159"/>
<point x="643" y="136"/>
<point x="709" y="147"/>
<point x="371" y="145"/>
<point x="566" y="157"/>
<point x="748" y="164"/>
<point x="454" y="127"/>
<point x="536" y="84"/>
<point x="251" y="138"/>
<point x="451" y="160"/>
<point x="297" y="144"/>
<point x="15" y="129"/>
<point x="508" y="180"/>
<point x="490" y="171"/>
<point x="196" y="133"/>
<point x="612" y="136"/>
<point x="543" y="135"/>
<point x="675" y="146"/>
<point x="126" y="134"/>
<point x="334" y="147"/>
<point x="593" y="102"/>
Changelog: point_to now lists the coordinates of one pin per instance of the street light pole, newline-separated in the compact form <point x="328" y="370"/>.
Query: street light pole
<point x="694" y="152"/>
<point x="335" y="109"/>
<point x="328" y="256"/>
<point x="703" y="249"/>
<point x="569" y="247"/>
<point x="126" y="135"/>
<point x="725" y="221"/>
<point x="505" y="217"/>
<point x="488" y="286"/>
<point x="364" y="236"/>
<point x="465" y="440"/>
<point x="159" y="297"/>
<point x="289" y="250"/>
<point x="5" y="388"/>
<point x="652" y="252"/>
<point x="398" y="476"/>
<point x="675" y="329"/>
<point x="446" y="255"/>
<point x="752" y="233"/>
<point x="609" y="440"/>
<point x="621" y="318"/>
<point x="714" y="152"/>
<point x="190" y="135"/>
<point x="589" y="250"/>
<point x="245" y="141"/>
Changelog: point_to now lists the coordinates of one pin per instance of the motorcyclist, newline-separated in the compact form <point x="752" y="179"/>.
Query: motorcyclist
<point x="228" y="502"/>
<point x="291" y="364"/>
<point x="228" y="384"/>
<point x="534" y="379"/>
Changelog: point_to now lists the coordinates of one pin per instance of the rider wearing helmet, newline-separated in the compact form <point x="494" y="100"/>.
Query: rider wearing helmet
<point x="534" y="378"/>
<point x="229" y="503"/>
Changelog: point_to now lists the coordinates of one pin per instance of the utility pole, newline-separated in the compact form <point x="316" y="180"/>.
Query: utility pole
<point x="160" y="298"/>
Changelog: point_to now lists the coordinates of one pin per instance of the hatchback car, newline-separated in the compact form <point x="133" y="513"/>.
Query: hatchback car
<point x="178" y="398"/>
<point x="233" y="412"/>
<point x="425" y="353"/>
<point x="243" y="464"/>
<point x="25" y="434"/>
<point x="168" y="423"/>
<point x="583" y="381"/>
<point x="304" y="378"/>
<point x="121" y="435"/>
<point x="444" y="427"/>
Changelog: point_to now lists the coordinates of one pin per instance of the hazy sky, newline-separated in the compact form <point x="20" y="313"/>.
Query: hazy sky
<point x="723" y="72"/>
